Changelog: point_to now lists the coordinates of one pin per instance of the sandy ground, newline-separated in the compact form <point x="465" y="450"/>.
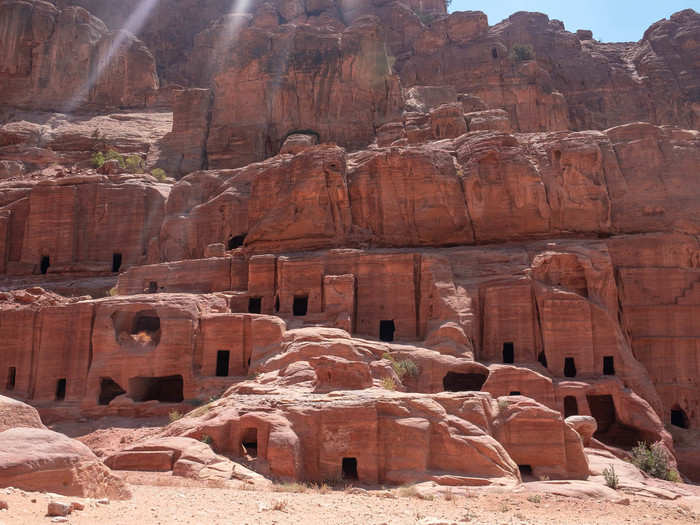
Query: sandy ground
<point x="165" y="500"/>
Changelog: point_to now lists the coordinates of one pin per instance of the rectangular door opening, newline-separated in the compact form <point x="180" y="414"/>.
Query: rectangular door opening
<point x="609" y="365"/>
<point x="255" y="305"/>
<point x="222" y="359"/>
<point x="569" y="367"/>
<point x="386" y="330"/>
<point x="116" y="262"/>
<point x="249" y="442"/>
<point x="45" y="264"/>
<point x="11" y="377"/>
<point x="301" y="305"/>
<point x="153" y="287"/>
<point x="570" y="406"/>
<point x="508" y="353"/>
<point x="349" y="466"/>
<point x="61" y="389"/>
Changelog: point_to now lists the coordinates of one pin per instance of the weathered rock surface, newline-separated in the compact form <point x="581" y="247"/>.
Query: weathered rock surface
<point x="406" y="246"/>
<point x="65" y="59"/>
<point x="42" y="460"/>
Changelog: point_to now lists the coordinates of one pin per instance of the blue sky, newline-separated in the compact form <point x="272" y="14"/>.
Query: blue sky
<point x="610" y="20"/>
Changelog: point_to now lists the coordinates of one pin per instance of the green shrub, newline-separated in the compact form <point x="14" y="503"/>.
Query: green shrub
<point x="654" y="460"/>
<point x="522" y="52"/>
<point x="205" y="439"/>
<point x="134" y="164"/>
<point x="159" y="173"/>
<point x="98" y="159"/>
<point x="535" y="498"/>
<point x="113" y="155"/>
<point x="406" y="367"/>
<point x="611" y="478"/>
<point x="503" y="404"/>
<point x="174" y="415"/>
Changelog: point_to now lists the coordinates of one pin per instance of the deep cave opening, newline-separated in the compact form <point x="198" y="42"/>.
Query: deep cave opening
<point x="167" y="389"/>
<point x="461" y="382"/>
<point x="109" y="389"/>
<point x="236" y="241"/>
<point x="679" y="418"/>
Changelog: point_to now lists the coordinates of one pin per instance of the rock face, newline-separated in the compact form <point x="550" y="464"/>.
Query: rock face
<point x="41" y="460"/>
<point x="64" y="59"/>
<point x="37" y="459"/>
<point x="402" y="245"/>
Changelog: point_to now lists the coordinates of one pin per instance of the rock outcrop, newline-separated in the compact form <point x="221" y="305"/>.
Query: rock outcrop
<point x="373" y="240"/>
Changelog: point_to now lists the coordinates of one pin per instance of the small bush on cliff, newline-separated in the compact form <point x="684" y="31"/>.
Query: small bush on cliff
<point x="654" y="460"/>
<point x="522" y="52"/>
<point x="174" y="415"/>
<point x="404" y="367"/>
<point x="134" y="164"/>
<point x="388" y="383"/>
<point x="159" y="173"/>
<point x="611" y="478"/>
<point x="113" y="155"/>
<point x="98" y="159"/>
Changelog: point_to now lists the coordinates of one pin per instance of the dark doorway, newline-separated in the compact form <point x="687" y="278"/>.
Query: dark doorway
<point x="457" y="382"/>
<point x="166" y="389"/>
<point x="153" y="287"/>
<point x="236" y="242"/>
<point x="222" y="359"/>
<point x="61" y="389"/>
<point x="610" y="431"/>
<point x="570" y="406"/>
<point x="255" y="305"/>
<point x="542" y="358"/>
<point x="609" y="365"/>
<point x="11" y="378"/>
<point x="515" y="393"/>
<point x="525" y="471"/>
<point x="109" y="389"/>
<point x="603" y="410"/>
<point x="249" y="441"/>
<point x="146" y="323"/>
<point x="116" y="262"/>
<point x="349" y="468"/>
<point x="494" y="53"/>
<point x="277" y="303"/>
<point x="508" y="353"/>
<point x="45" y="264"/>
<point x="386" y="330"/>
<point x="679" y="417"/>
<point x="301" y="305"/>
<point x="569" y="367"/>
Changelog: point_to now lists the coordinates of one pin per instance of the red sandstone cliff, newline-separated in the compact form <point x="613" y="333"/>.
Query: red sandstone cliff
<point x="352" y="187"/>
